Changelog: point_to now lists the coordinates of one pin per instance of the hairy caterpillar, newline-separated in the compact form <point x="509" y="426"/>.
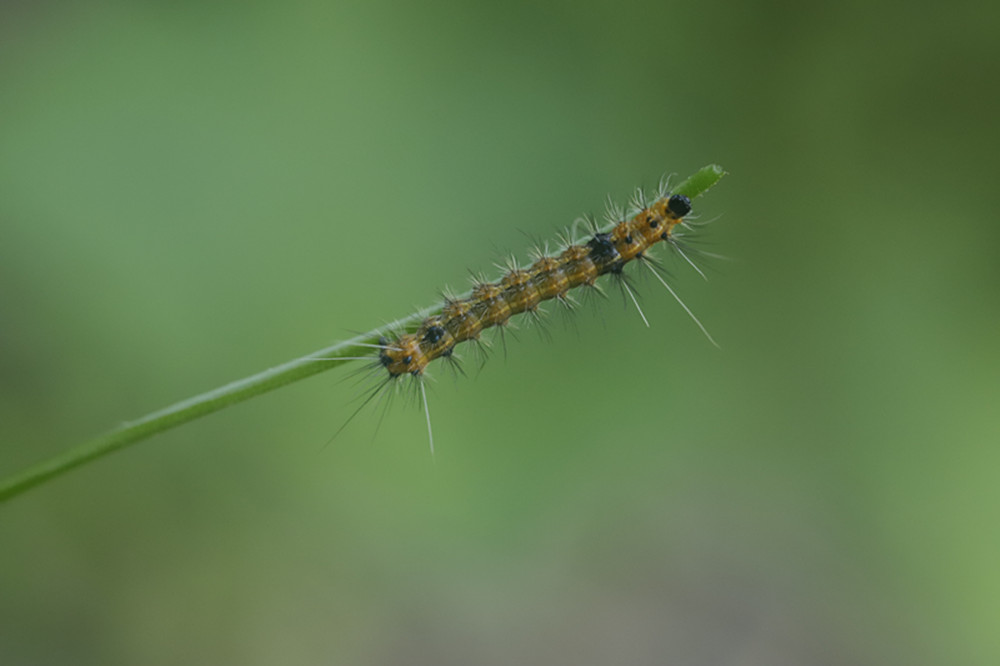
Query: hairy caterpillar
<point x="627" y="239"/>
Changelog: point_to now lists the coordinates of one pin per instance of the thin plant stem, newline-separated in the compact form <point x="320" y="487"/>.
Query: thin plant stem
<point x="156" y="422"/>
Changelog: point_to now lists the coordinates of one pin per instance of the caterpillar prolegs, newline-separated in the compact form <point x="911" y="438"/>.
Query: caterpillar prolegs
<point x="579" y="262"/>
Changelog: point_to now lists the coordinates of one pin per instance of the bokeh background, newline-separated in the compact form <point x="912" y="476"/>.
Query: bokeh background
<point x="192" y="192"/>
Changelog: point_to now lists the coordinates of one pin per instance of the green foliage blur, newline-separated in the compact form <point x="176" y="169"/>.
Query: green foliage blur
<point x="193" y="192"/>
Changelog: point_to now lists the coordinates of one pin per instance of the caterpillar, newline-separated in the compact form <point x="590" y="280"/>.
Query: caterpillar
<point x="628" y="238"/>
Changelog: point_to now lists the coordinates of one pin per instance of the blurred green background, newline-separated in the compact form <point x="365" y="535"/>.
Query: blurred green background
<point x="192" y="192"/>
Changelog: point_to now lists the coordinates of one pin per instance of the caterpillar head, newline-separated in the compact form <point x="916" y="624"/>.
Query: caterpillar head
<point x="678" y="206"/>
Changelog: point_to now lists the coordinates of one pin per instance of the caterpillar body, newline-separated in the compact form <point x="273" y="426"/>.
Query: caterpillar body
<point x="523" y="290"/>
<point x="549" y="278"/>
